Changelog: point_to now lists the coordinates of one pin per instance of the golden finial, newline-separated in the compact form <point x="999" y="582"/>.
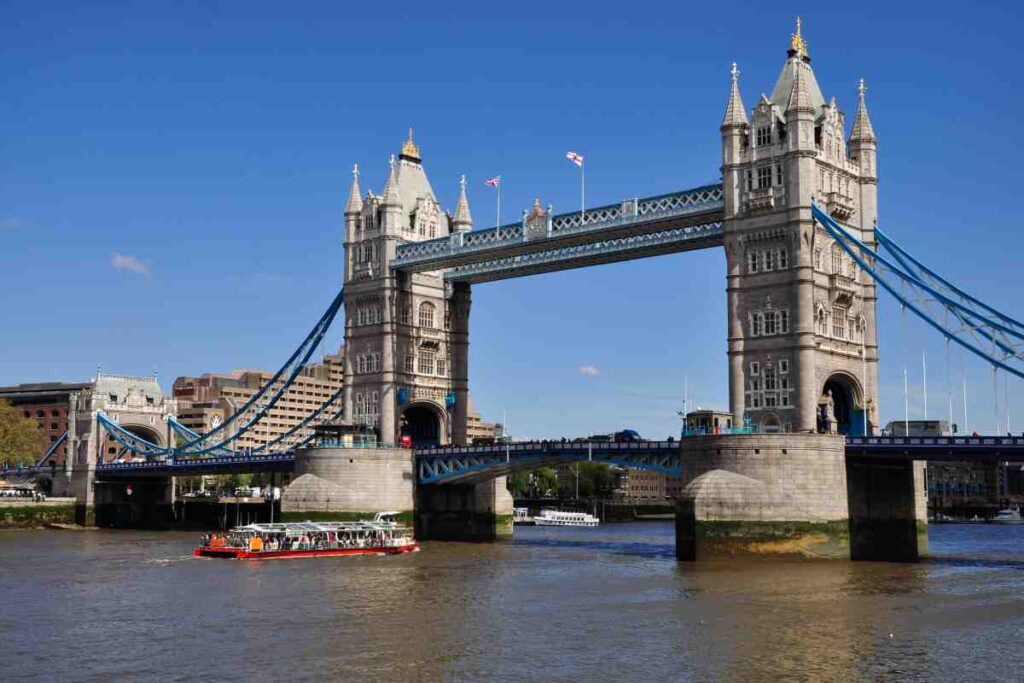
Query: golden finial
<point x="796" y="42"/>
<point x="410" y="150"/>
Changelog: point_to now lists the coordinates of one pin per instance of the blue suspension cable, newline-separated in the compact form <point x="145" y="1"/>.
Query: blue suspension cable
<point x="842" y="236"/>
<point x="296" y="361"/>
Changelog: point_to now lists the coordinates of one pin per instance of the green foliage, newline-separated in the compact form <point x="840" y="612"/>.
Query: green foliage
<point x="536" y="483"/>
<point x="595" y="481"/>
<point x="22" y="442"/>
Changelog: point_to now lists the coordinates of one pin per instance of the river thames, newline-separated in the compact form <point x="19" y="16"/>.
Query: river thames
<point x="604" y="604"/>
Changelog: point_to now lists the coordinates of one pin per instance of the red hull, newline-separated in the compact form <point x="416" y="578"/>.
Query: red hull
<point x="242" y="554"/>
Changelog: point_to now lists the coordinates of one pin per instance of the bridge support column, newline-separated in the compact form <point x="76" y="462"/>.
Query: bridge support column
<point x="460" y="305"/>
<point x="464" y="512"/>
<point x="349" y="484"/>
<point x="762" y="494"/>
<point x="888" y="510"/>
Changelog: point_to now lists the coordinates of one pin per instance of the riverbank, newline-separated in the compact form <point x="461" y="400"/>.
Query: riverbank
<point x="36" y="514"/>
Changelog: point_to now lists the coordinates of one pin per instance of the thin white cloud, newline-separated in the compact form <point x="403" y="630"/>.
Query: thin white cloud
<point x="589" y="371"/>
<point x="130" y="264"/>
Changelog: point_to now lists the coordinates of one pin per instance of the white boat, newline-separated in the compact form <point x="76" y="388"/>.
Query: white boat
<point x="565" y="518"/>
<point x="1008" y="516"/>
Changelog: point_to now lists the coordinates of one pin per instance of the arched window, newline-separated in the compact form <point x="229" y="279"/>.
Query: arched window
<point x="427" y="314"/>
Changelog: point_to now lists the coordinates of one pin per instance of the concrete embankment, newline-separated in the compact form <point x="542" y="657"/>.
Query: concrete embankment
<point x="31" y="514"/>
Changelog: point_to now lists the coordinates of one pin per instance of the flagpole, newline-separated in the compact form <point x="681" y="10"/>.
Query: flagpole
<point x="583" y="192"/>
<point x="498" y="223"/>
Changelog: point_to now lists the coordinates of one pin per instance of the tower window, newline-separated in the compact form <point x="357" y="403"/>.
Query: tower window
<point x="427" y="314"/>
<point x="750" y="180"/>
<point x="764" y="177"/>
<point x="778" y="174"/>
<point x="783" y="258"/>
<point x="764" y="136"/>
<point x="426" y="362"/>
<point x="752" y="261"/>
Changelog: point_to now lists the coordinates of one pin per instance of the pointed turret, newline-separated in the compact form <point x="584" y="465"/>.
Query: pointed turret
<point x="355" y="201"/>
<point x="735" y="112"/>
<point x="862" y="130"/>
<point x="800" y="94"/>
<point x="391" y="196"/>
<point x="463" y="221"/>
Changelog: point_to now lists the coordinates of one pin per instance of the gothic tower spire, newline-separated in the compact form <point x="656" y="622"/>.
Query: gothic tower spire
<point x="355" y="201"/>
<point x="391" y="196"/>
<point x="735" y="112"/>
<point x="462" y="221"/>
<point x="862" y="129"/>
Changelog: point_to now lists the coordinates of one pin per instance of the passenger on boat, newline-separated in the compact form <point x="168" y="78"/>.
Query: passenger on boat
<point x="256" y="544"/>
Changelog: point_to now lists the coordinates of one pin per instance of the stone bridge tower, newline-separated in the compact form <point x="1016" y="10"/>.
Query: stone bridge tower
<point x="406" y="335"/>
<point x="803" y="352"/>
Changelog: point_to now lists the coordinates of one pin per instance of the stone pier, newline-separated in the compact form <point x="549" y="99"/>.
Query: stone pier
<point x="349" y="483"/>
<point x="888" y="510"/>
<point x="797" y="494"/>
<point x="763" y="494"/>
<point x="464" y="512"/>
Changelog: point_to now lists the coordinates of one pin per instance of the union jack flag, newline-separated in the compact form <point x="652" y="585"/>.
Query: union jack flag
<point x="493" y="182"/>
<point x="574" y="158"/>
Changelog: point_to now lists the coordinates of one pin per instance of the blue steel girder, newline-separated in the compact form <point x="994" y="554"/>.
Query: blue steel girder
<point x="274" y="462"/>
<point x="472" y="464"/>
<point x="595" y="253"/>
<point x="630" y="218"/>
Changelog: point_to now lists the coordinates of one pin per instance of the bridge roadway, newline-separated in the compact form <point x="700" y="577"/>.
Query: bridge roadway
<point x="467" y="464"/>
<point x="634" y="228"/>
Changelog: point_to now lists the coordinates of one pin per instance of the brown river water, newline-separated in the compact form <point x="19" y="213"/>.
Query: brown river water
<point x="604" y="604"/>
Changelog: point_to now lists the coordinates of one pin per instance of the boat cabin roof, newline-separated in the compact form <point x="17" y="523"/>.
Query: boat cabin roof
<point x="307" y="527"/>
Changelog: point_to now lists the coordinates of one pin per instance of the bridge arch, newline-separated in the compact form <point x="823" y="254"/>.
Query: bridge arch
<point x="426" y="423"/>
<point x="847" y="404"/>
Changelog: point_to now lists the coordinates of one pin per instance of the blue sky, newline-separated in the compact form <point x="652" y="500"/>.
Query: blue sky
<point x="174" y="174"/>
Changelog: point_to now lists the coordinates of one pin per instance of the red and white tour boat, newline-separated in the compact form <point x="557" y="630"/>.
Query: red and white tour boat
<point x="381" y="536"/>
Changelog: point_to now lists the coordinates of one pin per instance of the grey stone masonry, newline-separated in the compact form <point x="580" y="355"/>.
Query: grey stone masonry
<point x="766" y="477"/>
<point x="803" y="350"/>
<point x="351" y="480"/>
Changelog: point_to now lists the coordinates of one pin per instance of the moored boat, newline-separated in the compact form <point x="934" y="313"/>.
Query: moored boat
<point x="309" y="539"/>
<point x="565" y="518"/>
<point x="1008" y="516"/>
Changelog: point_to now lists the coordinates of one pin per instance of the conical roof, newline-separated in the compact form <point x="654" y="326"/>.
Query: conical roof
<point x="391" y="195"/>
<point x="735" y="112"/>
<point x="355" y="201"/>
<point x="787" y="78"/>
<point x="462" y="220"/>
<point x="800" y="94"/>
<point x="862" y="128"/>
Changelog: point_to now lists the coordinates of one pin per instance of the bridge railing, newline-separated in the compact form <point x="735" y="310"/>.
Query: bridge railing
<point x="978" y="441"/>
<point x="629" y="211"/>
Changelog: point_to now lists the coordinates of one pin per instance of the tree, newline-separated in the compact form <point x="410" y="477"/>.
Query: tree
<point x="22" y="442"/>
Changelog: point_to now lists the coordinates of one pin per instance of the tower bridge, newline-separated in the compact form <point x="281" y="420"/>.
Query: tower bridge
<point x="796" y="213"/>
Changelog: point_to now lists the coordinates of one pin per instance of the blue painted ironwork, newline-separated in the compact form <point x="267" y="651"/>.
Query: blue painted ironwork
<point x="990" y="339"/>
<point x="590" y="253"/>
<point x="290" y="370"/>
<point x="133" y="442"/>
<point x="936" y="448"/>
<point x="565" y="228"/>
<point x="191" y="435"/>
<point x="272" y="462"/>
<point x="52" y="449"/>
<point x="466" y="464"/>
